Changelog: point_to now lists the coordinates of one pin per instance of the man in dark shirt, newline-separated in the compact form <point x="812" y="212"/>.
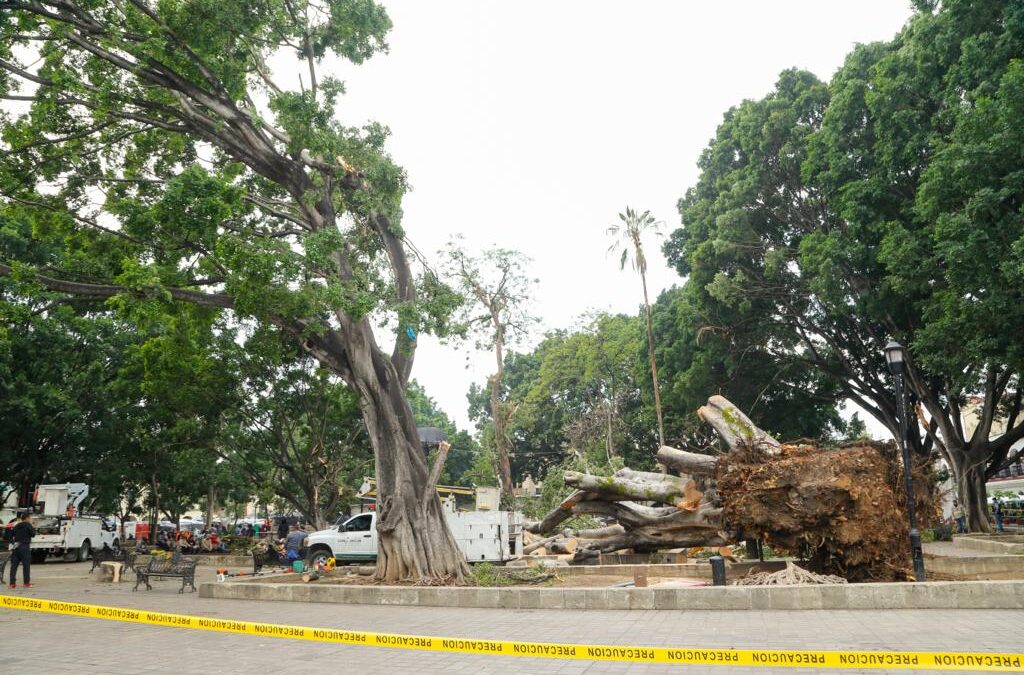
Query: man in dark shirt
<point x="295" y="544"/>
<point x="22" y="535"/>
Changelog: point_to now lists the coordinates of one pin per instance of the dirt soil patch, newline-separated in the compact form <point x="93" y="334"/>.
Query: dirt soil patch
<point x="842" y="509"/>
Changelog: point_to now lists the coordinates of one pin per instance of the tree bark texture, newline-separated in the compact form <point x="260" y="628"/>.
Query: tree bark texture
<point x="842" y="508"/>
<point x="415" y="541"/>
<point x="501" y="444"/>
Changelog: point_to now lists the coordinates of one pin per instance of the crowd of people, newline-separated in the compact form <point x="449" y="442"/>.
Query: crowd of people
<point x="206" y="541"/>
<point x="287" y="539"/>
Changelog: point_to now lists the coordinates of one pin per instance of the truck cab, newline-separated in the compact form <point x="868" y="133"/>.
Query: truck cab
<point x="351" y="540"/>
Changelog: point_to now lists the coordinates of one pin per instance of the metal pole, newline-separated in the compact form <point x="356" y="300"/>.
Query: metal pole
<point x="915" y="535"/>
<point x="717" y="570"/>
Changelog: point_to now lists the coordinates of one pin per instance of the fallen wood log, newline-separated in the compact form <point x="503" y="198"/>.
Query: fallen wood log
<point x="735" y="428"/>
<point x="562" y="546"/>
<point x="558" y="515"/>
<point x="842" y="505"/>
<point x="600" y="532"/>
<point x="540" y="543"/>
<point x="688" y="462"/>
<point x="668" y="489"/>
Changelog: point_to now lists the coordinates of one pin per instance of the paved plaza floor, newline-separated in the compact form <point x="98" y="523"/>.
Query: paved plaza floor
<point x="44" y="643"/>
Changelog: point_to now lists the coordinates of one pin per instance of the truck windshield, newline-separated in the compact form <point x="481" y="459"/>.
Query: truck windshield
<point x="359" y="524"/>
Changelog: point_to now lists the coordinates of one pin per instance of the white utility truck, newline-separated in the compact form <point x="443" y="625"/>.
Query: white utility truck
<point x="62" y="530"/>
<point x="492" y="536"/>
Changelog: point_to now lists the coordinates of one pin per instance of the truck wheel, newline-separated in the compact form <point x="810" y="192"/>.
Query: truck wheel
<point x="83" y="551"/>
<point x="318" y="557"/>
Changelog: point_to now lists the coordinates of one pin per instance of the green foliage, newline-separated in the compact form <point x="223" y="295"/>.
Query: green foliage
<point x="296" y="431"/>
<point x="487" y="575"/>
<point x="831" y="218"/>
<point x="566" y="393"/>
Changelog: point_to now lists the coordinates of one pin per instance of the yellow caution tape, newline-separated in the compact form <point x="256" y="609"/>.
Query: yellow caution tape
<point x="1007" y="663"/>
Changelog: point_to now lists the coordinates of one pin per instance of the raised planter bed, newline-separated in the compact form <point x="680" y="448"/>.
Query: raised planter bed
<point x="930" y="595"/>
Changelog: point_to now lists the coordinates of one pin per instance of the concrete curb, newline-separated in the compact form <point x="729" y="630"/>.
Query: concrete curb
<point x="931" y="595"/>
<point x="980" y="567"/>
<point x="1005" y="544"/>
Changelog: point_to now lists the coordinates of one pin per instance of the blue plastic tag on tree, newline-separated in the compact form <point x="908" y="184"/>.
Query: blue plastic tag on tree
<point x="410" y="332"/>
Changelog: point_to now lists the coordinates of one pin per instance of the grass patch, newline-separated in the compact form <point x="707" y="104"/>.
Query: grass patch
<point x="488" y="575"/>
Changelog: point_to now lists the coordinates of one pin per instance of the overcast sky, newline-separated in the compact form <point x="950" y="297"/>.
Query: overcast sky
<point x="531" y="124"/>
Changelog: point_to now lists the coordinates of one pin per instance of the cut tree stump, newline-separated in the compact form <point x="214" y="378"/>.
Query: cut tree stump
<point x="841" y="507"/>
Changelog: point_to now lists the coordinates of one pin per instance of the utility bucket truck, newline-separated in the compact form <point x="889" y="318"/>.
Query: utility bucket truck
<point x="62" y="530"/>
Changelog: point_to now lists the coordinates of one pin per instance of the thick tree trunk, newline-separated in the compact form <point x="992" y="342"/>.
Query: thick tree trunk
<point x="211" y="497"/>
<point x="969" y="477"/>
<point x="415" y="541"/>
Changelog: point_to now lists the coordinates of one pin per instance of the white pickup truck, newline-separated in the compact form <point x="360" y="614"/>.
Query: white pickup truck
<point x="493" y="536"/>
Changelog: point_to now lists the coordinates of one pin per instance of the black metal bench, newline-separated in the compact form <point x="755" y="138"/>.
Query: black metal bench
<point x="177" y="566"/>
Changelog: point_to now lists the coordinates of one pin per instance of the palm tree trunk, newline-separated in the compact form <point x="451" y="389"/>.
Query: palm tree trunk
<point x="654" y="367"/>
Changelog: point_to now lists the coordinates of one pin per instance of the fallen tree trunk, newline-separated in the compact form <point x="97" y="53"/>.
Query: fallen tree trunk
<point x="841" y="508"/>
<point x="687" y="462"/>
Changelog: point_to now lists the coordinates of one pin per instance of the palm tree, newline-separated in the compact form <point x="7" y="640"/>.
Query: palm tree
<point x="629" y="236"/>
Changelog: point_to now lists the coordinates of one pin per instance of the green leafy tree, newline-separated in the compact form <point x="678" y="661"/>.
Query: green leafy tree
<point x="828" y="219"/>
<point x="629" y="237"/>
<point x="157" y="140"/>
<point x="497" y="294"/>
<point x="701" y="355"/>
<point x="577" y="394"/>
<point x="298" y="431"/>
<point x="63" y="404"/>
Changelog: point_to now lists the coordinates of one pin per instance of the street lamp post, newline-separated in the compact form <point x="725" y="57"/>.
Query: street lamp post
<point x="894" y="357"/>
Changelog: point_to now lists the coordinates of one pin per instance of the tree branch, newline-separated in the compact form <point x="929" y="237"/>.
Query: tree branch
<point x="98" y="291"/>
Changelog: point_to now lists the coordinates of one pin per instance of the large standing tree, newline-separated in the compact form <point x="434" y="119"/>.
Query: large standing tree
<point x="498" y="293"/>
<point x="830" y="218"/>
<point x="184" y="171"/>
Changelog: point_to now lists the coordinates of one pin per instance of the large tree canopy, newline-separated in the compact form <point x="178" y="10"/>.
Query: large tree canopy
<point x="829" y="219"/>
<point x="154" y="138"/>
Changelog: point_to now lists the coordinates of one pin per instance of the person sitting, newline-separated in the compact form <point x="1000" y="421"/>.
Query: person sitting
<point x="162" y="542"/>
<point x="206" y="543"/>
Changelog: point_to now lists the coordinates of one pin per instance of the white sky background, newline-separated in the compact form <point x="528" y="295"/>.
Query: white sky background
<point x="530" y="125"/>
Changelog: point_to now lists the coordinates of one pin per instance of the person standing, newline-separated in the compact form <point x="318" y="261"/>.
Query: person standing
<point x="22" y="536"/>
<point x="960" y="516"/>
<point x="997" y="511"/>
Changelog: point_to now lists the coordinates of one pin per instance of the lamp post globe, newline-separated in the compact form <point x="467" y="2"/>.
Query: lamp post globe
<point x="894" y="357"/>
